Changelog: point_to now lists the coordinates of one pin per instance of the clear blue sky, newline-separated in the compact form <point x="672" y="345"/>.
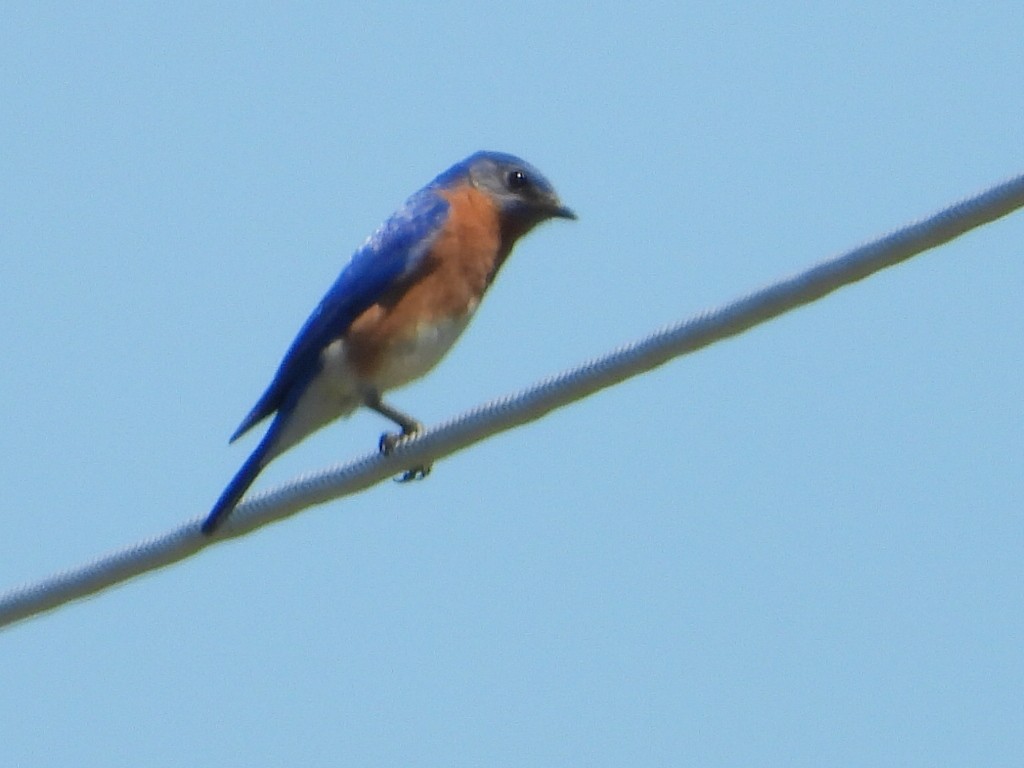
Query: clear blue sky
<point x="799" y="548"/>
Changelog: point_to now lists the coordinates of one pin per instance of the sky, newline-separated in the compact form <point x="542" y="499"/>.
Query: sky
<point x="800" y="547"/>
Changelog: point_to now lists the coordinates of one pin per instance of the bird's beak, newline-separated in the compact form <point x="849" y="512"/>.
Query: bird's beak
<point x="563" y="212"/>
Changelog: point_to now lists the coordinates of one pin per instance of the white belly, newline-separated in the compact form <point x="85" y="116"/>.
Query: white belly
<point x="417" y="353"/>
<point x="337" y="391"/>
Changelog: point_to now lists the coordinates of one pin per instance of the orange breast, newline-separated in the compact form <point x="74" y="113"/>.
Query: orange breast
<point x="446" y="287"/>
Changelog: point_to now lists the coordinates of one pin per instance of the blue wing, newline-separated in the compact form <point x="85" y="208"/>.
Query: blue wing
<point x="389" y="255"/>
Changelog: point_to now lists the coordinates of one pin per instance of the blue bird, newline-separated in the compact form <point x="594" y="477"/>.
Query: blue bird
<point x="397" y="307"/>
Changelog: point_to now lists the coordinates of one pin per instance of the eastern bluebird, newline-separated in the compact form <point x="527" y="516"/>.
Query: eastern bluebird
<point x="397" y="307"/>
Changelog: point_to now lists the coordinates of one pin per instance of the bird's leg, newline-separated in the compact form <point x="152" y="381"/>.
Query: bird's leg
<point x="389" y="440"/>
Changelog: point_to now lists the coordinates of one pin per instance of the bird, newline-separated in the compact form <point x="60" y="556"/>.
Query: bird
<point x="396" y="308"/>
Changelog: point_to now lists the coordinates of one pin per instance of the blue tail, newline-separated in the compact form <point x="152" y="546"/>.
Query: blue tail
<point x="240" y="483"/>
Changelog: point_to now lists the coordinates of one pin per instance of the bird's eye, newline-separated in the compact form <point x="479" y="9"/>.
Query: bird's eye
<point x="517" y="180"/>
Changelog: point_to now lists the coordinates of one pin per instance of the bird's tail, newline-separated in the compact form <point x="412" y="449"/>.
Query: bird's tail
<point x="240" y="483"/>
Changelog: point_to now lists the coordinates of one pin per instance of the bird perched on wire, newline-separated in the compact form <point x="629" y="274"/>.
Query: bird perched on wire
<point x="397" y="307"/>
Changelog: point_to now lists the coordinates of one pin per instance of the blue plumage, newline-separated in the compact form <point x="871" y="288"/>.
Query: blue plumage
<point x="392" y="252"/>
<point x="409" y="315"/>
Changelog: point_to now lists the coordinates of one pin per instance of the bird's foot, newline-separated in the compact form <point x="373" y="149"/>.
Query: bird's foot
<point x="391" y="440"/>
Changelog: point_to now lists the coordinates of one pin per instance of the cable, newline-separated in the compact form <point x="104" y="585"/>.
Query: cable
<point x="520" y="408"/>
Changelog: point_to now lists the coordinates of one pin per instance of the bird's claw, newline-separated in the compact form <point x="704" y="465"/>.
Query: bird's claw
<point x="391" y="440"/>
<point x="416" y="473"/>
<point x="388" y="442"/>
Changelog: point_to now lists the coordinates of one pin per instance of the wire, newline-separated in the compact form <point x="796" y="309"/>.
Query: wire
<point x="520" y="408"/>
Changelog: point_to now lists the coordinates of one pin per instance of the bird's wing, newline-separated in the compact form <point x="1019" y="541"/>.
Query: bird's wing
<point x="391" y="254"/>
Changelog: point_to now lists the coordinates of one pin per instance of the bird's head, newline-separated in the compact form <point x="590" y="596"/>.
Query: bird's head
<point x="523" y="195"/>
<point x="521" y="192"/>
